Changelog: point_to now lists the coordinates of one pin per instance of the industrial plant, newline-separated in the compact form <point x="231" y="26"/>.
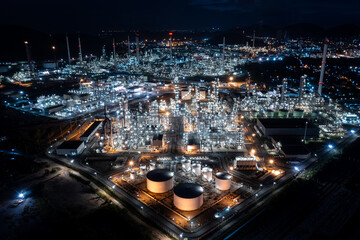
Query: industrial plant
<point x="179" y="129"/>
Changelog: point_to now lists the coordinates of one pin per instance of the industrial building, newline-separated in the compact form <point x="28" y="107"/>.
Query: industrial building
<point x="89" y="133"/>
<point x="188" y="196"/>
<point x="287" y="127"/>
<point x="158" y="141"/>
<point x="159" y="180"/>
<point x="295" y="152"/>
<point x="245" y="163"/>
<point x="291" y="147"/>
<point x="71" y="148"/>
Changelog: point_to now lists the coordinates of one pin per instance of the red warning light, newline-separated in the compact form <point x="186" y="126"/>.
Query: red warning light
<point x="170" y="33"/>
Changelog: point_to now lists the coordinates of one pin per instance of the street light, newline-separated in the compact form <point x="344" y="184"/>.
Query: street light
<point x="253" y="151"/>
<point x="330" y="146"/>
<point x="271" y="161"/>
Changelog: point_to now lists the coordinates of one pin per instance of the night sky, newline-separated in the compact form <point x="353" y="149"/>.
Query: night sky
<point x="93" y="16"/>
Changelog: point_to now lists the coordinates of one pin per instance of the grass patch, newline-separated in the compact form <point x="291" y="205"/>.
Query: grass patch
<point x="79" y="179"/>
<point x="55" y="170"/>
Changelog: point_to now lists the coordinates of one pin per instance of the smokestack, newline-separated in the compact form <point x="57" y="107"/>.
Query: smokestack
<point x="301" y="87"/>
<point x="254" y="40"/>
<point x="283" y="89"/>
<point x="129" y="50"/>
<point x="28" y="57"/>
<point x="68" y="49"/>
<point x="114" y="56"/>
<point x="171" y="58"/>
<point x="80" y="53"/>
<point x="323" y="63"/>
<point x="223" y="54"/>
<point x="137" y="48"/>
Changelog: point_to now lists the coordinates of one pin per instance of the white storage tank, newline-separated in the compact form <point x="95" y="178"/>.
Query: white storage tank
<point x="152" y="166"/>
<point x="223" y="181"/>
<point x="132" y="175"/>
<point x="196" y="169"/>
<point x="159" y="180"/>
<point x="142" y="169"/>
<point x="188" y="196"/>
<point x="186" y="165"/>
<point x="207" y="173"/>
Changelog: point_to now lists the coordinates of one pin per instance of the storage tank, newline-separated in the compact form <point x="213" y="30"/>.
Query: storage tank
<point x="207" y="173"/>
<point x="132" y="175"/>
<point x="196" y="169"/>
<point x="186" y="164"/>
<point x="188" y="196"/>
<point x="222" y="181"/>
<point x="159" y="180"/>
<point x="142" y="169"/>
<point x="152" y="166"/>
<point x="298" y="113"/>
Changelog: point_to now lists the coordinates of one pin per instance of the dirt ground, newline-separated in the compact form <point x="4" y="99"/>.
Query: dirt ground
<point x="54" y="198"/>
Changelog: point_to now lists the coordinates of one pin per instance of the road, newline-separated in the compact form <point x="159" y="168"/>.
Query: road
<point x="216" y="228"/>
<point x="326" y="190"/>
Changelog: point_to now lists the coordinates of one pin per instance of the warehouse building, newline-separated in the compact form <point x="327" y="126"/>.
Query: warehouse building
<point x="71" y="148"/>
<point x="89" y="133"/>
<point x="157" y="141"/>
<point x="287" y="127"/>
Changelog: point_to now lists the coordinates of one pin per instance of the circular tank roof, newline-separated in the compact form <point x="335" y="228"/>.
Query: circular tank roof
<point x="223" y="175"/>
<point x="188" y="190"/>
<point x="207" y="169"/>
<point x="159" y="175"/>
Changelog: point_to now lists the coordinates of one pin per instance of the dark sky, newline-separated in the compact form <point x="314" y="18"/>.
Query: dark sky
<point x="92" y="16"/>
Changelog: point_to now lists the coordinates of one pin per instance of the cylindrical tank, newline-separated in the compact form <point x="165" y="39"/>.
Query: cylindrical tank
<point x="132" y="175"/>
<point x="283" y="113"/>
<point x="186" y="164"/>
<point x="142" y="169"/>
<point x="222" y="181"/>
<point x="207" y="173"/>
<point x="188" y="196"/>
<point x="152" y="166"/>
<point x="298" y="113"/>
<point x="196" y="169"/>
<point x="159" y="180"/>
